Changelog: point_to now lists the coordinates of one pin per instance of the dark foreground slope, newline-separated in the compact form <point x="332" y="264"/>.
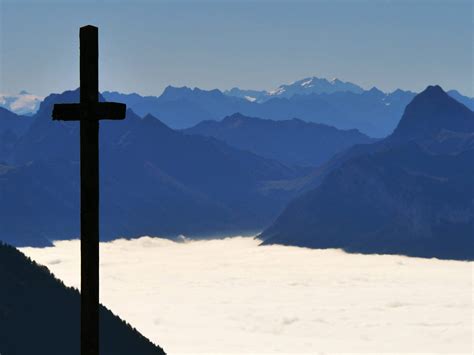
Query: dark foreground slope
<point x="290" y="141"/>
<point x="39" y="315"/>
<point x="411" y="194"/>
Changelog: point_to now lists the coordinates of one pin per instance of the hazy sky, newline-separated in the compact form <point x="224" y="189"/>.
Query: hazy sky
<point x="231" y="296"/>
<point x="148" y="45"/>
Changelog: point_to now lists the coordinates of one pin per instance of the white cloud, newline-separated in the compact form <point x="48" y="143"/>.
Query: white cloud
<point x="232" y="296"/>
<point x="28" y="103"/>
<point x="23" y="103"/>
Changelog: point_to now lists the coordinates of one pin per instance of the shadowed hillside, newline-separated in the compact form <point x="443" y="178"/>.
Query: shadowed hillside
<point x="290" y="141"/>
<point x="154" y="180"/>
<point x="39" y="315"/>
<point x="411" y="193"/>
<point x="12" y="126"/>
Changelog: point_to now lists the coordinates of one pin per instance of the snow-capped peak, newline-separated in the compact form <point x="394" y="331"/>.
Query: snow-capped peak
<point x="307" y="83"/>
<point x="306" y="86"/>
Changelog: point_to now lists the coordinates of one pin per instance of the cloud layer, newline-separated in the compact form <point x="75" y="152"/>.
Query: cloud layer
<point x="232" y="296"/>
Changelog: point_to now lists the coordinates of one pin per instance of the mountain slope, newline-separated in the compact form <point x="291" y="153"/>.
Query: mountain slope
<point x="154" y="180"/>
<point x="39" y="315"/>
<point x="411" y="193"/>
<point x="11" y="127"/>
<point x="291" y="141"/>
<point x="10" y="121"/>
<point x="465" y="100"/>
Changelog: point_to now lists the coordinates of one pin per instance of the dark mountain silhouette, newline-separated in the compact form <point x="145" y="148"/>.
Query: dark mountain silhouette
<point x="159" y="181"/>
<point x="39" y="315"/>
<point x="409" y="194"/>
<point x="290" y="141"/>
<point x="432" y="112"/>
<point x="155" y="181"/>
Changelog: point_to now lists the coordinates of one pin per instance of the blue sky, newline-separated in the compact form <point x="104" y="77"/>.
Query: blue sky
<point x="147" y="45"/>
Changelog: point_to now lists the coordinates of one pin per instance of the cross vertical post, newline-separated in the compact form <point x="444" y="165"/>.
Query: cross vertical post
<point x="89" y="137"/>
<point x="88" y="112"/>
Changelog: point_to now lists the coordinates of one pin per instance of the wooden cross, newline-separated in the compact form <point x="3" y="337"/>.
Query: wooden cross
<point x="88" y="112"/>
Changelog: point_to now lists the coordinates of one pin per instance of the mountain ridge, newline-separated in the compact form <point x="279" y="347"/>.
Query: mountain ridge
<point x="408" y="194"/>
<point x="293" y="142"/>
<point x="155" y="181"/>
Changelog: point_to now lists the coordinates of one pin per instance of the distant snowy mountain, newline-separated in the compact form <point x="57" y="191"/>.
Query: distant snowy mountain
<point x="315" y="85"/>
<point x="249" y="95"/>
<point x="306" y="86"/>
<point x="22" y="103"/>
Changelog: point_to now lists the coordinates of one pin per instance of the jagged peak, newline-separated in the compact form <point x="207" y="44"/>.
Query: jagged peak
<point x="68" y="96"/>
<point x="174" y="93"/>
<point x="434" y="90"/>
<point x="150" y="120"/>
<point x="433" y="96"/>
<point x="175" y="89"/>
<point x="235" y="116"/>
<point x="375" y="91"/>
<point x="431" y="111"/>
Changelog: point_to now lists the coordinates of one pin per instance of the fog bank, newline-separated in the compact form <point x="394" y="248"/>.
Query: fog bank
<point x="232" y="296"/>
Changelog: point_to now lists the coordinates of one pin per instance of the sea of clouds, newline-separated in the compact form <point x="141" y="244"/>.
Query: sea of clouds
<point x="233" y="296"/>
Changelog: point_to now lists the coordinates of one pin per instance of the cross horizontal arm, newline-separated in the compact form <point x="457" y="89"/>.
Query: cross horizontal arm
<point x="89" y="111"/>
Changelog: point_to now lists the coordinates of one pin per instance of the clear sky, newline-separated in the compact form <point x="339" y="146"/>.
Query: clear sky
<point x="147" y="45"/>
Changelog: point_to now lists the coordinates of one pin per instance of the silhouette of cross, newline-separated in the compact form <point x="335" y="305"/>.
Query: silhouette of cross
<point x="88" y="112"/>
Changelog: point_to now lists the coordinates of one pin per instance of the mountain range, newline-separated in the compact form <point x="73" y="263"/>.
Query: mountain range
<point x="333" y="102"/>
<point x="411" y="193"/>
<point x="154" y="181"/>
<point x="293" y="142"/>
<point x="39" y="315"/>
<point x="339" y="104"/>
<point x="400" y="194"/>
<point x="372" y="112"/>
